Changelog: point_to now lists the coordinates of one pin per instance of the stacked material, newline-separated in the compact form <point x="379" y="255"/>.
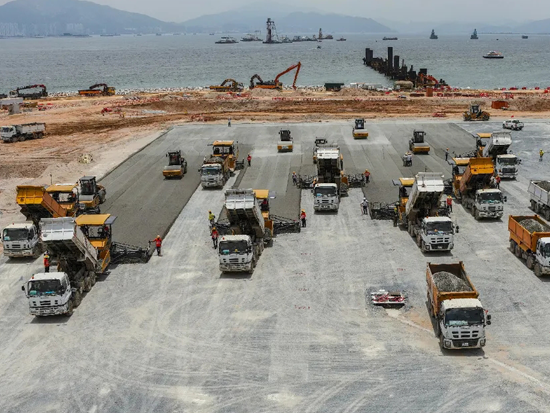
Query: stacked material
<point x="445" y="281"/>
<point x="544" y="185"/>
<point x="532" y="225"/>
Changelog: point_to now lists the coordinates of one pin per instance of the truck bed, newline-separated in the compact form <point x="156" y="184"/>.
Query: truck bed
<point x="36" y="203"/>
<point x="538" y="190"/>
<point x="524" y="235"/>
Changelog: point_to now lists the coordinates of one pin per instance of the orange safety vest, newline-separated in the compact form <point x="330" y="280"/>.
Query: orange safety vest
<point x="46" y="262"/>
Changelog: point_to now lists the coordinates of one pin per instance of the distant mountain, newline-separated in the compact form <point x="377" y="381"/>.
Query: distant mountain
<point x="55" y="17"/>
<point x="538" y="26"/>
<point x="288" y="19"/>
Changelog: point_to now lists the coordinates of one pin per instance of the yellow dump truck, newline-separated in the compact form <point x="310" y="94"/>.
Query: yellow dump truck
<point x="263" y="196"/>
<point x="227" y="150"/>
<point x="98" y="230"/>
<point x="530" y="240"/>
<point x="460" y="165"/>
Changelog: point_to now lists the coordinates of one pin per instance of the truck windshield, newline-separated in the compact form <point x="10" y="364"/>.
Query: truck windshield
<point x="63" y="197"/>
<point x="507" y="161"/>
<point x="490" y="197"/>
<point x="44" y="287"/>
<point x="233" y="247"/>
<point x="434" y="228"/>
<point x="463" y="317"/>
<point x="325" y="191"/>
<point x="209" y="171"/>
<point x="222" y="150"/>
<point x="15" y="234"/>
<point x="6" y="129"/>
<point x="546" y="250"/>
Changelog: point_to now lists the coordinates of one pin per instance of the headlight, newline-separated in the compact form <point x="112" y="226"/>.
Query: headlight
<point x="447" y="343"/>
<point x="482" y="342"/>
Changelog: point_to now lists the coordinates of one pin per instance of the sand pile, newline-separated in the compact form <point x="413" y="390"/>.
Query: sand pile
<point x="445" y="281"/>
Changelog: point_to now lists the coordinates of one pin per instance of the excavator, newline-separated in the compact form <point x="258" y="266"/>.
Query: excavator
<point x="228" y="85"/>
<point x="275" y="84"/>
<point x="426" y="80"/>
<point x="95" y="90"/>
<point x="32" y="95"/>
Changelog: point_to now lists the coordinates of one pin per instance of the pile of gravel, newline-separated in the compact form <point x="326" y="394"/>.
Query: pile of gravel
<point x="532" y="225"/>
<point x="544" y="185"/>
<point x="445" y="281"/>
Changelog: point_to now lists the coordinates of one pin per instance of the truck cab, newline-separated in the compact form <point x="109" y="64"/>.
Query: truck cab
<point x="462" y="323"/>
<point x="214" y="172"/>
<point x="437" y="234"/>
<point x="8" y="133"/>
<point x="488" y="203"/>
<point x="506" y="166"/>
<point x="542" y="255"/>
<point x="326" y="197"/>
<point x="21" y="240"/>
<point x="237" y="253"/>
<point x="49" y="294"/>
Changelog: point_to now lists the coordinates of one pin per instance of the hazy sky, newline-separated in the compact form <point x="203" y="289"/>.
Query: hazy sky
<point x="490" y="11"/>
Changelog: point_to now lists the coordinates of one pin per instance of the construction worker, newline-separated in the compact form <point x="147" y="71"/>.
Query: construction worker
<point x="249" y="159"/>
<point x="211" y="218"/>
<point x="46" y="262"/>
<point x="449" y="203"/>
<point x="395" y="215"/>
<point x="303" y="218"/>
<point x="367" y="175"/>
<point x="158" y="244"/>
<point x="229" y="122"/>
<point x="446" y="154"/>
<point x="364" y="206"/>
<point x="294" y="178"/>
<point x="541" y="154"/>
<point x="215" y="236"/>
<point x="497" y="181"/>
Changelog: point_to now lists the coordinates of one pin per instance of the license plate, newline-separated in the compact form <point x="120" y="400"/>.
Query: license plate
<point x="440" y="247"/>
<point x="465" y="344"/>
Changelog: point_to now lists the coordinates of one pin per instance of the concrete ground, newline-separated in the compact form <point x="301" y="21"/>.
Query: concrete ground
<point x="298" y="335"/>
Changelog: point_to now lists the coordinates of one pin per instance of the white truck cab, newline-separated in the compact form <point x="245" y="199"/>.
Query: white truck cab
<point x="325" y="197"/>
<point x="506" y="166"/>
<point x="49" y="293"/>
<point x="21" y="240"/>
<point x="542" y="255"/>
<point x="462" y="324"/>
<point x="212" y="175"/>
<point x="237" y="253"/>
<point x="437" y="234"/>
<point x="489" y="203"/>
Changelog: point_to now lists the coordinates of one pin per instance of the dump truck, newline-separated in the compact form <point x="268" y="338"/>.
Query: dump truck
<point x="319" y="143"/>
<point x="421" y="213"/>
<point x="99" y="89"/>
<point x="240" y="252"/>
<point x="417" y="143"/>
<point x="530" y="240"/>
<point x="285" y="143"/>
<point x="177" y="165"/>
<point x="453" y="301"/>
<point x="459" y="167"/>
<point x="91" y="195"/>
<point x="482" y="139"/>
<point x="29" y="92"/>
<point x="506" y="164"/>
<point x="15" y="133"/>
<point x="331" y="182"/>
<point x="474" y="112"/>
<point x="359" y="131"/>
<point x="23" y="239"/>
<point x="66" y="195"/>
<point x="263" y="196"/>
<point x="80" y="252"/>
<point x="214" y="172"/>
<point x="540" y="200"/>
<point x="513" y="124"/>
<point x="227" y="150"/>
<point x="476" y="192"/>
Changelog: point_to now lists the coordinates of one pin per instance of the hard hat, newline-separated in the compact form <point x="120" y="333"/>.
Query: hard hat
<point x="209" y="212"/>
<point x="447" y="148"/>
<point x="214" y="228"/>
<point x="293" y="172"/>
<point x="158" y="236"/>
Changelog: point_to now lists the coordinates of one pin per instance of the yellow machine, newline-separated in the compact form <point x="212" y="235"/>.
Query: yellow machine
<point x="405" y="187"/>
<point x="481" y="142"/>
<point x="95" y="90"/>
<point x="228" y="85"/>
<point x="91" y="195"/>
<point x="286" y="143"/>
<point x="177" y="165"/>
<point x="65" y="195"/>
<point x="226" y="150"/>
<point x="98" y="229"/>
<point x="359" y="132"/>
<point x="36" y="203"/>
<point x="458" y="171"/>
<point x="263" y="196"/>
<point x="417" y="143"/>
<point x="475" y="113"/>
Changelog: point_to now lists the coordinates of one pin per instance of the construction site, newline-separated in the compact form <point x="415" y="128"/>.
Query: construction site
<point x="349" y="312"/>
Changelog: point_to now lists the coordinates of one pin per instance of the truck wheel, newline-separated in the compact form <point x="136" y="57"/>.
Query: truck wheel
<point x="87" y="285"/>
<point x="93" y="279"/>
<point x="538" y="270"/>
<point x="530" y="262"/>
<point x="22" y="138"/>
<point x="476" y="213"/>
<point x="419" y="240"/>
<point x="547" y="214"/>
<point x="77" y="299"/>
<point x="70" y="309"/>
<point x="512" y="246"/>
<point x="518" y="251"/>
<point x="533" y="205"/>
<point x="441" y="342"/>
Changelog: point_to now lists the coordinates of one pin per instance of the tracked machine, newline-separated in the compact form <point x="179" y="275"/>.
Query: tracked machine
<point x="257" y="82"/>
<point x="228" y="85"/>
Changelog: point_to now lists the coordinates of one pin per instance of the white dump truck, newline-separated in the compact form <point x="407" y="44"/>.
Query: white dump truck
<point x="453" y="301"/>
<point x="420" y="215"/>
<point x="214" y="172"/>
<point x="21" y="240"/>
<point x="78" y="262"/>
<point x="506" y="164"/>
<point x="331" y="183"/>
<point x="22" y="132"/>
<point x="539" y="197"/>
<point x="241" y="251"/>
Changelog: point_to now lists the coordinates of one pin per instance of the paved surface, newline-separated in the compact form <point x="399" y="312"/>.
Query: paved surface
<point x="174" y="335"/>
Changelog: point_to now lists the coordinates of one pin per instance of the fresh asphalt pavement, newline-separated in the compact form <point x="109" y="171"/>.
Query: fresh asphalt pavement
<point x="299" y="334"/>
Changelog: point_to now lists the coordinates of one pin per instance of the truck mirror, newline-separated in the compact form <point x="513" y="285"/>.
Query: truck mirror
<point x="488" y="322"/>
<point x="505" y="199"/>
<point x="457" y="229"/>
<point x="489" y="317"/>
<point x="23" y="288"/>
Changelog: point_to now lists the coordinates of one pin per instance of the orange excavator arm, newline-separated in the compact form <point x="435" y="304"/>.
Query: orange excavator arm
<point x="297" y="66"/>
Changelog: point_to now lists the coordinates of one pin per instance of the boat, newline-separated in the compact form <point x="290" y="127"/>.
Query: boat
<point x="251" y="38"/>
<point x="159" y="34"/>
<point x="212" y="34"/>
<point x="524" y="37"/>
<point x="433" y="35"/>
<point x="319" y="46"/>
<point x="286" y="39"/>
<point x="493" y="55"/>
<point x="389" y="38"/>
<point x="474" y="35"/>
<point x="226" y="40"/>
<point x="341" y="39"/>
